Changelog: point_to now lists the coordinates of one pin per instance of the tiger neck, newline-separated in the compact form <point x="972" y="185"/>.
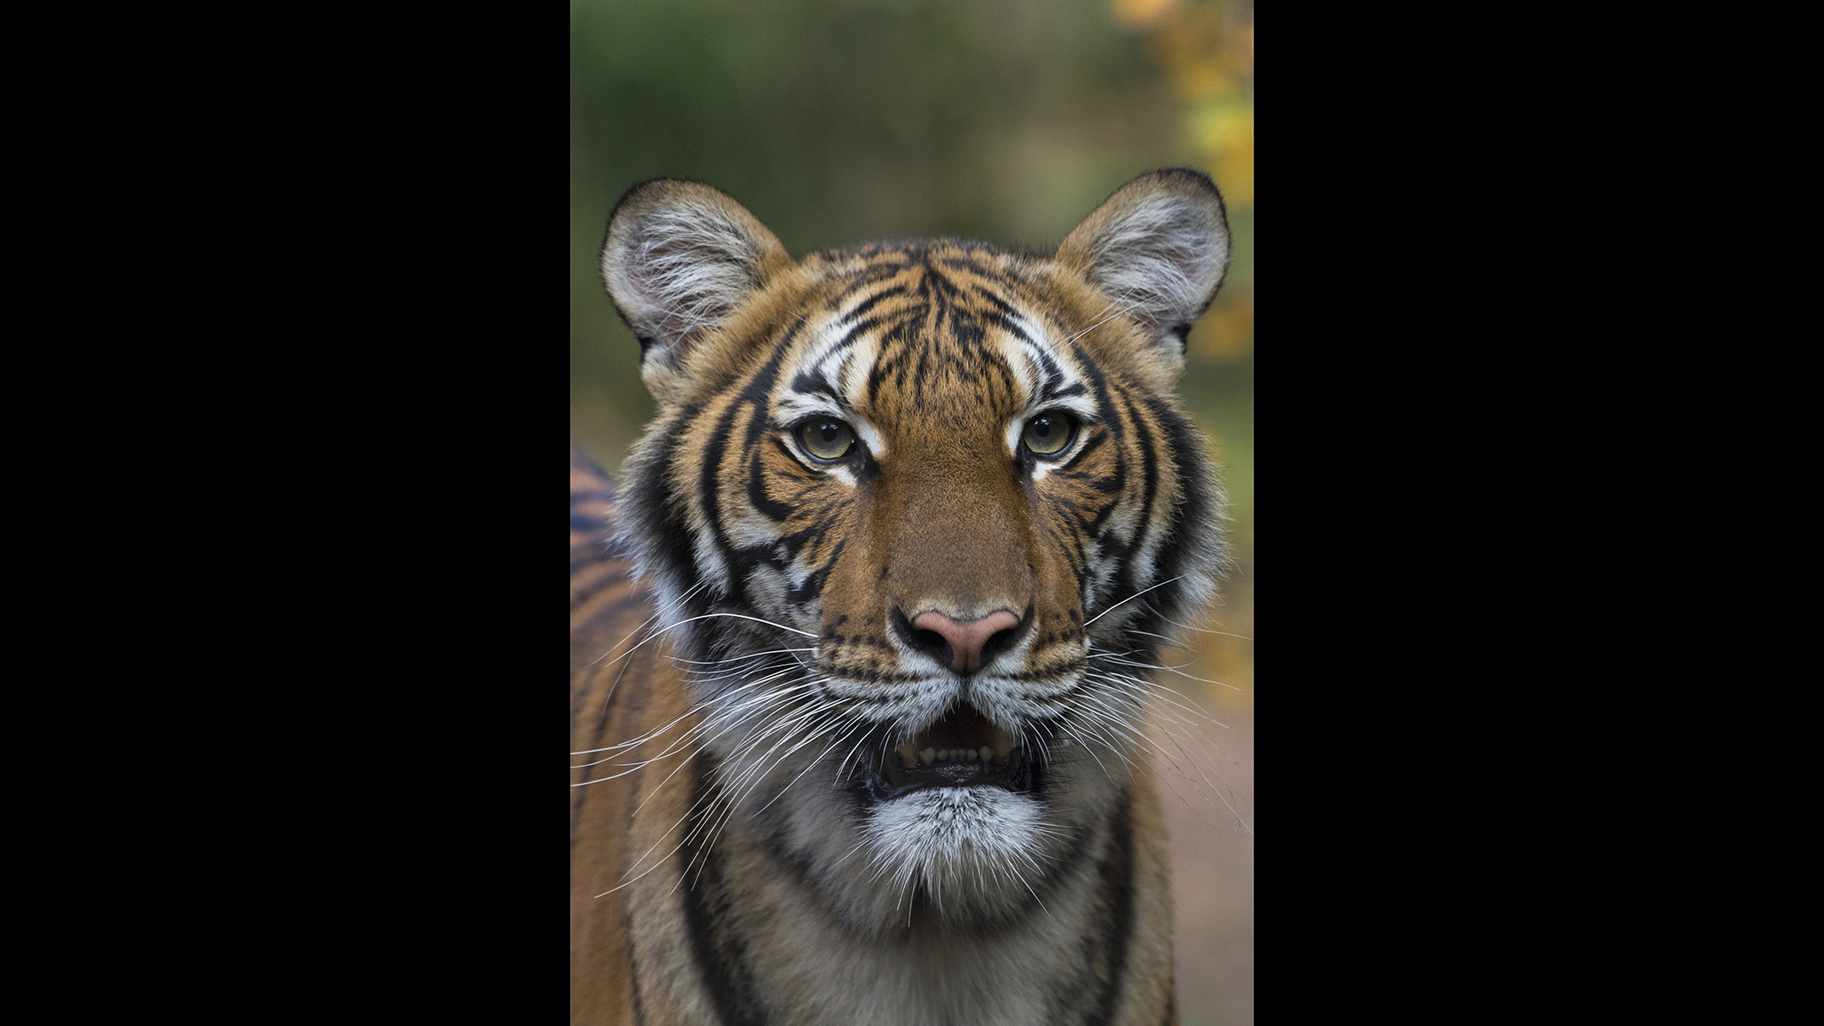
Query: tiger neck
<point x="1061" y="964"/>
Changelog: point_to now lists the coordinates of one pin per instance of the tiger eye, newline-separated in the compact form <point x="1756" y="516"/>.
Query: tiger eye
<point x="1048" y="433"/>
<point x="826" y="438"/>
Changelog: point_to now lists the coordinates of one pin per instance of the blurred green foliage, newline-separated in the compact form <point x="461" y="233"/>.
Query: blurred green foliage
<point x="841" y="121"/>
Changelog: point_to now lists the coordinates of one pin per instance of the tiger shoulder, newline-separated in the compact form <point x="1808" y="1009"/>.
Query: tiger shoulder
<point x="859" y="641"/>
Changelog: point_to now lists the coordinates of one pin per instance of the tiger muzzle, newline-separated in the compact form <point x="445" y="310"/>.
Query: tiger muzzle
<point x="964" y="749"/>
<point x="962" y="645"/>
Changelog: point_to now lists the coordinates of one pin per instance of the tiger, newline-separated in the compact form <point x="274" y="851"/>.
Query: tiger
<point x="858" y="639"/>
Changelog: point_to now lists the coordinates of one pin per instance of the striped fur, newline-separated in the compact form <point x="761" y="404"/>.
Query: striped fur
<point x="898" y="499"/>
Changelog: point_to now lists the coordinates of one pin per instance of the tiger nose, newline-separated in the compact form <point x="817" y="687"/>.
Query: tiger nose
<point x="966" y="638"/>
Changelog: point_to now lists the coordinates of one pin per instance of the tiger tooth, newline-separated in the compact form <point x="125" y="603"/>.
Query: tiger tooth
<point x="985" y="754"/>
<point x="927" y="755"/>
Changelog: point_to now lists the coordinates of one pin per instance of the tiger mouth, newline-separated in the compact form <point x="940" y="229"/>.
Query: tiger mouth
<point x="963" y="749"/>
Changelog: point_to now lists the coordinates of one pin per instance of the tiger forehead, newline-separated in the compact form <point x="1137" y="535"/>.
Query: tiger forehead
<point x="947" y="339"/>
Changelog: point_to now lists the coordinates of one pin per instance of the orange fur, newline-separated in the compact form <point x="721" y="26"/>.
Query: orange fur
<point x="745" y="844"/>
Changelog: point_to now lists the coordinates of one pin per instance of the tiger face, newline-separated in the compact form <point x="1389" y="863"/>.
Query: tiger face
<point x="917" y="515"/>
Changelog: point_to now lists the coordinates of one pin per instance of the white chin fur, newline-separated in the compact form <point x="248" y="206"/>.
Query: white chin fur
<point x="974" y="850"/>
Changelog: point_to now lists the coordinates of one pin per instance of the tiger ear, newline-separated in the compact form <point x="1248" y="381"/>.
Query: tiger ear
<point x="679" y="259"/>
<point x="1159" y="248"/>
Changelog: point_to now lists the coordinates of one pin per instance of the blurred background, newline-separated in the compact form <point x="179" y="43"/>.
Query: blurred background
<point x="842" y="121"/>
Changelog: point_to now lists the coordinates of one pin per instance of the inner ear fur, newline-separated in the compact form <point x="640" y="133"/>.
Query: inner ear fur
<point x="1158" y="248"/>
<point x="679" y="259"/>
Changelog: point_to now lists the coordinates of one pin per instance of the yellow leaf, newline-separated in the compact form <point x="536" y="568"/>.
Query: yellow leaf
<point x="1224" y="133"/>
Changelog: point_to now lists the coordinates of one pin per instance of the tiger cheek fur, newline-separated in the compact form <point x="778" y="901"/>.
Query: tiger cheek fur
<point x="898" y="502"/>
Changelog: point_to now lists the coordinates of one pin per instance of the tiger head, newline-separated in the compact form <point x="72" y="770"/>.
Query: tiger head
<point x="919" y="515"/>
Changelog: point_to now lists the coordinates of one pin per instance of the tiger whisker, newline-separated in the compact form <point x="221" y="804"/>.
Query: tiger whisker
<point x="1116" y="313"/>
<point x="1160" y="692"/>
<point x="745" y="784"/>
<point x="1205" y="630"/>
<point x="1130" y="598"/>
<point x="654" y="635"/>
<point x="1178" y="671"/>
<point x="730" y="726"/>
<point x="1140" y="687"/>
<point x="658" y="731"/>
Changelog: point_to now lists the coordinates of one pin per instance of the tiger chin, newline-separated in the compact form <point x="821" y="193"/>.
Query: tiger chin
<point x="859" y="644"/>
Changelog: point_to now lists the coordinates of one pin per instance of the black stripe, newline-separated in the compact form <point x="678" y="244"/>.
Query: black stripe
<point x="764" y="504"/>
<point x="1118" y="900"/>
<point x="658" y="516"/>
<point x="633" y="963"/>
<point x="634" y="597"/>
<point x="891" y="357"/>
<point x="1096" y="441"/>
<point x="808" y="383"/>
<point x="581" y="794"/>
<point x="708" y="476"/>
<point x="814" y="582"/>
<point x="1195" y="524"/>
<point x="1150" y="487"/>
<point x="756" y="394"/>
<point x="987" y="295"/>
<point x="855" y="330"/>
<point x="889" y="264"/>
<point x="709" y="913"/>
<point x="869" y="303"/>
<point x="1116" y="433"/>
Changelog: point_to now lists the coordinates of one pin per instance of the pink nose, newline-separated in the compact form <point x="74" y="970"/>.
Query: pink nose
<point x="966" y="638"/>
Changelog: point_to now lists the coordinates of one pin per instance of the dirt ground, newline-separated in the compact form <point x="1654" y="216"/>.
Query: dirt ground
<point x="1213" y="868"/>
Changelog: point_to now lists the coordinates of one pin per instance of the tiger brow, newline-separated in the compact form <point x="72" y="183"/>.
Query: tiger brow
<point x="1055" y="382"/>
<point x="1005" y="316"/>
<point x="1009" y="318"/>
<point x="814" y="383"/>
<point x="1054" y="375"/>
